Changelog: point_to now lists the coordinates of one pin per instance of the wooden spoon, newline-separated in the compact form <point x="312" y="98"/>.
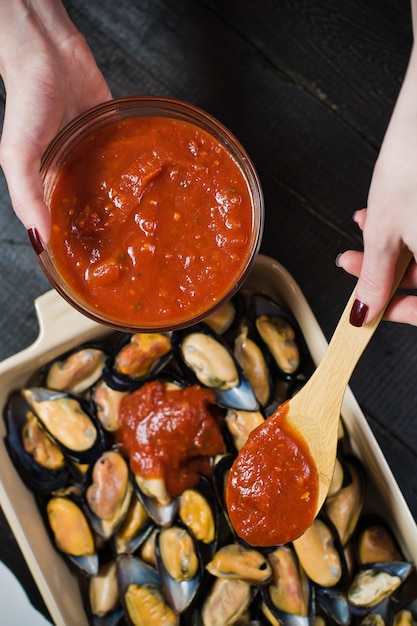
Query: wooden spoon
<point x="311" y="418"/>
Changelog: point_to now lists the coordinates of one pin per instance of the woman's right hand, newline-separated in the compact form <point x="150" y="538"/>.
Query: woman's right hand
<point x="50" y="76"/>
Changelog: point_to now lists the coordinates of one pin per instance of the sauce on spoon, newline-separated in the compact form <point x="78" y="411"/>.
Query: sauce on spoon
<point x="272" y="487"/>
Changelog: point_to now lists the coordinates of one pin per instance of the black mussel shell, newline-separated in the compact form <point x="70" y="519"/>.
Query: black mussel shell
<point x="86" y="453"/>
<point x="300" y="365"/>
<point x="198" y="510"/>
<point x="180" y="580"/>
<point x="124" y="381"/>
<point x="103" y="605"/>
<point x="295" y="587"/>
<point x="109" y="479"/>
<point x="162" y="514"/>
<point x="88" y="561"/>
<point x="35" y="475"/>
<point x="396" y="573"/>
<point x="134" y="529"/>
<point x="334" y="605"/>
<point x="338" y="583"/>
<point x="374" y="541"/>
<point x="235" y="392"/>
<point x="254" y="363"/>
<point x="76" y="370"/>
<point x="225" y="318"/>
<point x="132" y="571"/>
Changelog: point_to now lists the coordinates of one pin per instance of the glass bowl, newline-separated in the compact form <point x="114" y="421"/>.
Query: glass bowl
<point x="157" y="214"/>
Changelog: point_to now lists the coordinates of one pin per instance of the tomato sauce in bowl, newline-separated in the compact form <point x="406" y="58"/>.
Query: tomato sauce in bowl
<point x="156" y="213"/>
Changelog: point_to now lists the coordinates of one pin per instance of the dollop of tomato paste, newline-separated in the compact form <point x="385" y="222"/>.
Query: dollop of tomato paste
<point x="170" y="433"/>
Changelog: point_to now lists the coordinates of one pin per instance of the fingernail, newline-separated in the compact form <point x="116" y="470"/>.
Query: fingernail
<point x="355" y="216"/>
<point x="358" y="313"/>
<point x="337" y="259"/>
<point x="35" y="240"/>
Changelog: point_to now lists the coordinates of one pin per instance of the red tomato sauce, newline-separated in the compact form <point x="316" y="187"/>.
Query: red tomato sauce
<point x="170" y="433"/>
<point x="151" y="221"/>
<point x="272" y="487"/>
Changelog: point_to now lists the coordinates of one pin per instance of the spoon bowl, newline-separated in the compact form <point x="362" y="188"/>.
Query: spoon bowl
<point x="281" y="477"/>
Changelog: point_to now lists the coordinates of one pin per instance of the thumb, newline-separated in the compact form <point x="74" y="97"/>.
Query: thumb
<point x="374" y="284"/>
<point x="26" y="191"/>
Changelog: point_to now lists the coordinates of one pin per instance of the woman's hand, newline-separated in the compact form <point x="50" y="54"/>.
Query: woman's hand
<point x="403" y="306"/>
<point x="390" y="221"/>
<point x="50" y="77"/>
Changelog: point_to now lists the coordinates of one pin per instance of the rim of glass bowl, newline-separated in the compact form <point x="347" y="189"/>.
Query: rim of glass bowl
<point x="120" y="108"/>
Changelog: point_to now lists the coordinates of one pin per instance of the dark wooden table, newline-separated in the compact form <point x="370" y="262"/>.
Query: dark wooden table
<point x="308" y="87"/>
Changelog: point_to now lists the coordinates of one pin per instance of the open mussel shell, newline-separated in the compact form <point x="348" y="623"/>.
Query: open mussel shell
<point x="198" y="511"/>
<point x="344" y="505"/>
<point x="406" y="613"/>
<point x="235" y="560"/>
<point x="43" y="468"/>
<point x="137" y="358"/>
<point x="227" y="601"/>
<point x="375" y="541"/>
<point x="207" y="360"/>
<point x="104" y="607"/>
<point x="376" y="583"/>
<point x="225" y="317"/>
<point x="278" y="331"/>
<point x="108" y="492"/>
<point x="382" y="571"/>
<point x="321" y="555"/>
<point x="240" y="424"/>
<point x="142" y="594"/>
<point x="179" y="564"/>
<point x="106" y="402"/>
<point x="69" y="421"/>
<point x="134" y="528"/>
<point x="162" y="512"/>
<point x="251" y="358"/>
<point x="71" y="529"/>
<point x="77" y="370"/>
<point x="288" y="599"/>
<point x="335" y="606"/>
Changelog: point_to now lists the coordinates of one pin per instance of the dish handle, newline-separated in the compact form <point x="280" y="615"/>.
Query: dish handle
<point x="59" y="325"/>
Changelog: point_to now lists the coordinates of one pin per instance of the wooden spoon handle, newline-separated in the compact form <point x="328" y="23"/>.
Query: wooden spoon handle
<point x="348" y="342"/>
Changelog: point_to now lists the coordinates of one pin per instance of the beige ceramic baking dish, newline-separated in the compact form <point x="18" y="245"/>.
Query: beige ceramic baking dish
<point x="62" y="327"/>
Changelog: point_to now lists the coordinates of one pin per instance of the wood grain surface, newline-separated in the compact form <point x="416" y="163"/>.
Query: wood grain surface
<point x="308" y="87"/>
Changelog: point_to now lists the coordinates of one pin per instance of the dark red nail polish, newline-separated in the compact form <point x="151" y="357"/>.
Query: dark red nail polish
<point x="35" y="240"/>
<point x="358" y="313"/>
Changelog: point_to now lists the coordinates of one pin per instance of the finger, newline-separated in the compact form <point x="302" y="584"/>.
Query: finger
<point x="403" y="309"/>
<point x="26" y="192"/>
<point x="359" y="217"/>
<point x="350" y="261"/>
<point x="376" y="277"/>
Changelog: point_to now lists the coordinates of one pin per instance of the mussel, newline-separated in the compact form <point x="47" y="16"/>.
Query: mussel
<point x="142" y="594"/>
<point x="279" y="334"/>
<point x="72" y="531"/>
<point x="69" y="422"/>
<point x="179" y="565"/>
<point x="253" y="362"/>
<point x="37" y="457"/>
<point x="103" y="595"/>
<point x="207" y="360"/>
<point x="227" y="600"/>
<point x="137" y="358"/>
<point x="77" y="370"/>
<point x="133" y="529"/>
<point x="109" y="492"/>
<point x="320" y="553"/>
<point x="237" y="561"/>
